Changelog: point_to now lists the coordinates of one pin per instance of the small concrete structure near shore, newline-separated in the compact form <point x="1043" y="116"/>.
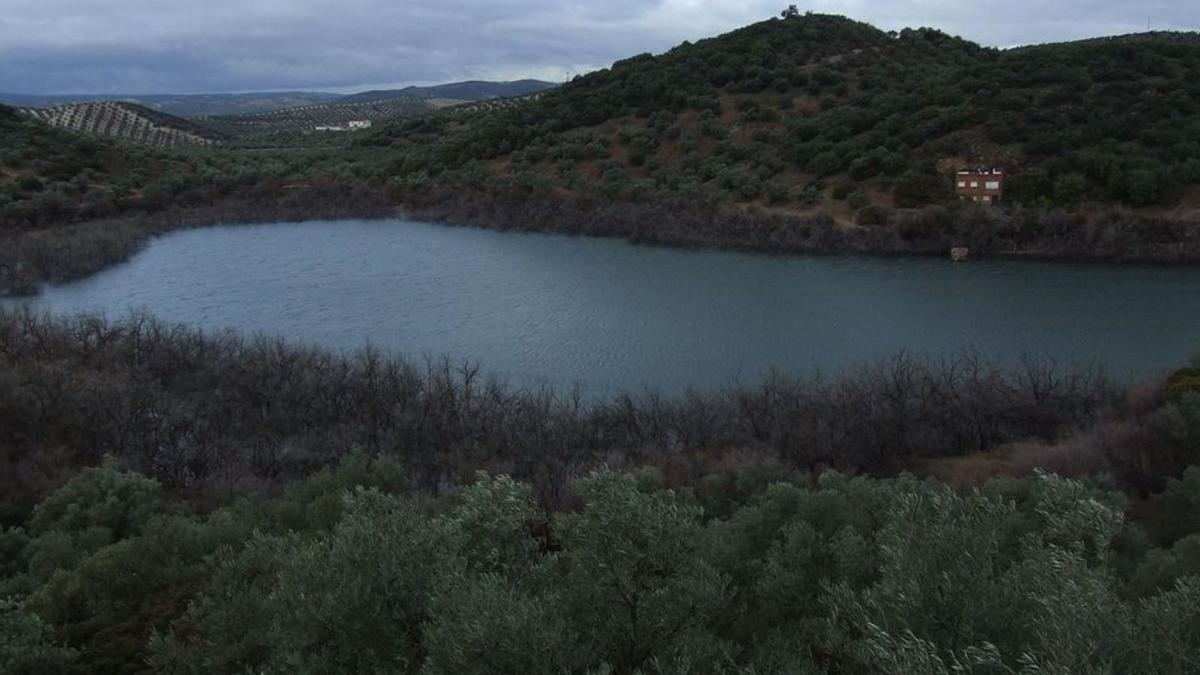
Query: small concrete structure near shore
<point x="960" y="254"/>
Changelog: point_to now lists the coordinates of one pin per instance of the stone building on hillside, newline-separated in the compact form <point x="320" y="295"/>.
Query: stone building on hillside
<point x="984" y="185"/>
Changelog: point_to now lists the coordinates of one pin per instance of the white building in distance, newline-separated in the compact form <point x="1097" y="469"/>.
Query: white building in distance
<point x="352" y="125"/>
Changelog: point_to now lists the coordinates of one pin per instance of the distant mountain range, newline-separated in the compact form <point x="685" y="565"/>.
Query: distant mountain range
<point x="185" y="105"/>
<point x="462" y="91"/>
<point x="204" y="119"/>
<point x="208" y="105"/>
<point x="289" y="122"/>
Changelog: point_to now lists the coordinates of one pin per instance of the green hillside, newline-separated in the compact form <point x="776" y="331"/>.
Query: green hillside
<point x="53" y="177"/>
<point x="44" y="169"/>
<point x="810" y="109"/>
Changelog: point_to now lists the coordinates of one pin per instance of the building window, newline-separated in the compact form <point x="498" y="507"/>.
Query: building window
<point x="974" y="183"/>
<point x="987" y="199"/>
<point x="962" y="183"/>
<point x="992" y="185"/>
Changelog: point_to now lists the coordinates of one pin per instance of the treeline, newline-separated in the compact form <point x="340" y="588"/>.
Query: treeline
<point x="1113" y="235"/>
<point x="222" y="412"/>
<point x="73" y="249"/>
<point x="750" y="572"/>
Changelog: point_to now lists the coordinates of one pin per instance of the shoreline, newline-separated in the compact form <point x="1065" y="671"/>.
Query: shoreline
<point x="32" y="258"/>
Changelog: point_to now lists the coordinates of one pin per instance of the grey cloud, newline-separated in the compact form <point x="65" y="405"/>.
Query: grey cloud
<point x="134" y="46"/>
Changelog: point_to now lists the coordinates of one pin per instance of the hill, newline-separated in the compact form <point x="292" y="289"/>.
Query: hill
<point x="798" y="113"/>
<point x="199" y="105"/>
<point x="72" y="203"/>
<point x="127" y="121"/>
<point x="292" y="122"/>
<point x="804" y="133"/>
<point x="52" y="176"/>
<point x="251" y="103"/>
<point x="461" y="91"/>
<point x="184" y="105"/>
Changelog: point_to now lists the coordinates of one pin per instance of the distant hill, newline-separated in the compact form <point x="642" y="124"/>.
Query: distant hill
<point x="1160" y="36"/>
<point x="801" y="112"/>
<point x="462" y="91"/>
<point x="127" y="121"/>
<point x="289" y="122"/>
<point x="186" y="105"/>
<point x="215" y="117"/>
<point x="209" y="105"/>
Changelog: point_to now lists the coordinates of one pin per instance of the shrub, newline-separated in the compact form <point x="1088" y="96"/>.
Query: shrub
<point x="873" y="216"/>
<point x="104" y="497"/>
<point x="30" y="184"/>
<point x="1181" y="383"/>
<point x="28" y="646"/>
<point x="841" y="191"/>
<point x="857" y="200"/>
<point x="913" y="190"/>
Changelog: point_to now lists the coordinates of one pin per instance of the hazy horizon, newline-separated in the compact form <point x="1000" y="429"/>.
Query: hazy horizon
<point x="332" y="91"/>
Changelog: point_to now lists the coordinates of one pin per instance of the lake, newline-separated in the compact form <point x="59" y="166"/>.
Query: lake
<point x="609" y="315"/>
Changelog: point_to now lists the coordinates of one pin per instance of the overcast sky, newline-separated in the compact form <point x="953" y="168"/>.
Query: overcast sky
<point x="195" y="46"/>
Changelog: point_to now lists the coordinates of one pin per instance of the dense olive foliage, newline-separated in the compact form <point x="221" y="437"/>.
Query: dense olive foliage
<point x="751" y="572"/>
<point x="721" y="541"/>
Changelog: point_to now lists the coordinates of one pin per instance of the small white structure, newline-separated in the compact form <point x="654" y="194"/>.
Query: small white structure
<point x="352" y="125"/>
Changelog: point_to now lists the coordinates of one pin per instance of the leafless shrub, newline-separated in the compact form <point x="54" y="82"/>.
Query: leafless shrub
<point x="199" y="409"/>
